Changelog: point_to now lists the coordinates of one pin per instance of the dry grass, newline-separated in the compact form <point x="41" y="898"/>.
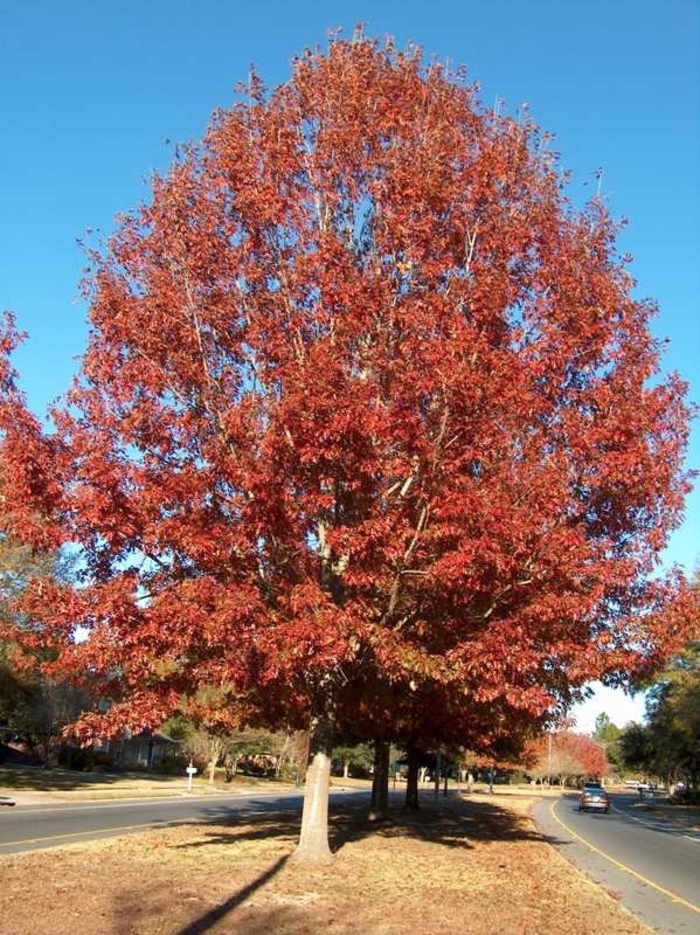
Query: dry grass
<point x="476" y="866"/>
<point x="71" y="786"/>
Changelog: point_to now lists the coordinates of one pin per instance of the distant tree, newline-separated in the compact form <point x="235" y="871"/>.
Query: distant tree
<point x="294" y="755"/>
<point x="215" y="731"/>
<point x="215" y="746"/>
<point x="668" y="746"/>
<point x="604" y="728"/>
<point x="608" y="734"/>
<point x="567" y="756"/>
<point x="18" y="692"/>
<point x="637" y="751"/>
<point x="57" y="706"/>
<point x="673" y="713"/>
<point x="363" y="393"/>
<point x="35" y="705"/>
<point x="359" y="755"/>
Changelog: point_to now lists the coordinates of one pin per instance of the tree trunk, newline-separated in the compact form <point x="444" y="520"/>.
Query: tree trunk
<point x="280" y="758"/>
<point x="379" y="809"/>
<point x="412" y="780"/>
<point x="51" y="758"/>
<point x="313" y="844"/>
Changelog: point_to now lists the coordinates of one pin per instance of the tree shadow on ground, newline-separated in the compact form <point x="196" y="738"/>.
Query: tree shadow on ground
<point x="451" y="822"/>
<point x="209" y="919"/>
<point x="280" y="827"/>
<point x="155" y="905"/>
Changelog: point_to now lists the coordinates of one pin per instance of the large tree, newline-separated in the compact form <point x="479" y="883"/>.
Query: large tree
<point x="365" y="400"/>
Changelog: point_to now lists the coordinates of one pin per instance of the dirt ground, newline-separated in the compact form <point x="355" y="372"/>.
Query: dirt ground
<point x="476" y="866"/>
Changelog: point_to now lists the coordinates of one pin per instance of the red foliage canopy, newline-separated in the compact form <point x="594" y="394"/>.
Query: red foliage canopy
<point x="363" y="392"/>
<point x="567" y="754"/>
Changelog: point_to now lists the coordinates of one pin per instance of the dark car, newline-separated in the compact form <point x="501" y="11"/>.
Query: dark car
<point x="594" y="798"/>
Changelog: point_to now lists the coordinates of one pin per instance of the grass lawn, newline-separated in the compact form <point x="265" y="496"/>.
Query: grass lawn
<point x="69" y="785"/>
<point x="475" y="866"/>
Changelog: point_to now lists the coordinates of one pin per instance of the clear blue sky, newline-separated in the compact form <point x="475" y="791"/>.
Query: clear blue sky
<point x="91" y="91"/>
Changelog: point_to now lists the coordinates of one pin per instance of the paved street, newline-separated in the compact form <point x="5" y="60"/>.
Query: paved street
<point x="650" y="861"/>
<point x="30" y="827"/>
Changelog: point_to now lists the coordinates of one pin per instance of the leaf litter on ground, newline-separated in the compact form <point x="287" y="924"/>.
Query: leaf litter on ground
<point x="474" y="864"/>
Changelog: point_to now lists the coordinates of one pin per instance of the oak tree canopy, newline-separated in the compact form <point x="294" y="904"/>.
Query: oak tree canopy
<point x="367" y="403"/>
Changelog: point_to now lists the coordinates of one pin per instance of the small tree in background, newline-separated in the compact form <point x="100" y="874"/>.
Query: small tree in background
<point x="35" y="706"/>
<point x="358" y="755"/>
<point x="673" y="714"/>
<point x="637" y="749"/>
<point x="668" y="745"/>
<point x="566" y="755"/>
<point x="608" y="735"/>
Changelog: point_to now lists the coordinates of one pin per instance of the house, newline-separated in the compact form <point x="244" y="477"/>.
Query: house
<point x="146" y="750"/>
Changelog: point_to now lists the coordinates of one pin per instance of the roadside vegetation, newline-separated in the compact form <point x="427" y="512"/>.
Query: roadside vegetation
<point x="667" y="746"/>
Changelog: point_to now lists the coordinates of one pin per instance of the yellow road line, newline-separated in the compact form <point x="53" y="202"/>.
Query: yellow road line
<point x="74" y="834"/>
<point x="673" y="896"/>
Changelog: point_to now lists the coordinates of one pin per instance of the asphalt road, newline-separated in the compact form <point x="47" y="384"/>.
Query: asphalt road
<point x="650" y="862"/>
<point x="30" y="827"/>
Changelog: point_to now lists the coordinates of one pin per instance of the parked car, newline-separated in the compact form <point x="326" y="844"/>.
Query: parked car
<point x="594" y="798"/>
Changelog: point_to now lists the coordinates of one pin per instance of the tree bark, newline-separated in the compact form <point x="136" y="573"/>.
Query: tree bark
<point x="379" y="809"/>
<point x="313" y="844"/>
<point x="412" y="780"/>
